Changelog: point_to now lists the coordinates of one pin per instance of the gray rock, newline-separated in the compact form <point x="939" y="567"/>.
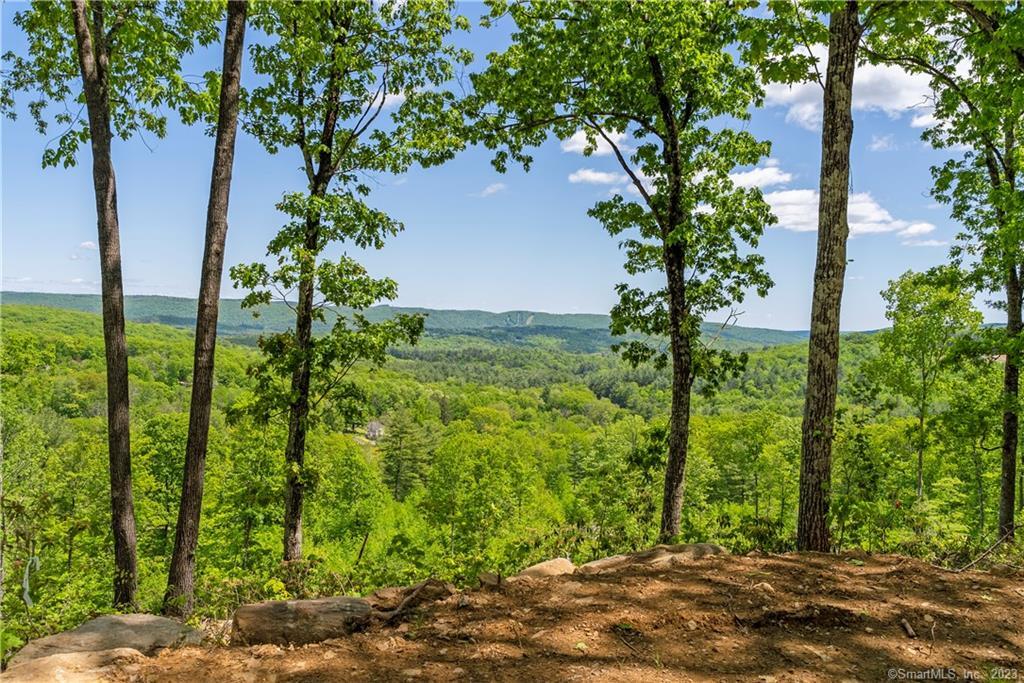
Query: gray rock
<point x="73" y="667"/>
<point x="660" y="556"/>
<point x="555" y="567"/>
<point x="146" y="633"/>
<point x="284" y="622"/>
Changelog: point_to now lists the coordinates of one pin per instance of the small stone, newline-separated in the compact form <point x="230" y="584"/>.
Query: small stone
<point x="692" y="625"/>
<point x="765" y="587"/>
<point x="411" y="673"/>
<point x="929" y="618"/>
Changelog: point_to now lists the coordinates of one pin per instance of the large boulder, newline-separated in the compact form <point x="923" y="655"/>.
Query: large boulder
<point x="145" y="633"/>
<point x="298" y="622"/>
<point x="660" y="556"/>
<point x="73" y="667"/>
<point x="555" y="567"/>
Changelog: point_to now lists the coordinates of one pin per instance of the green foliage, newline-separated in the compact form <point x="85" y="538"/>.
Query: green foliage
<point x="524" y="456"/>
<point x="659" y="74"/>
<point x="405" y="455"/>
<point x="146" y="41"/>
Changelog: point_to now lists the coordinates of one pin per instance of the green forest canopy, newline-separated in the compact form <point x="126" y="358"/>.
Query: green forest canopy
<point x="517" y="454"/>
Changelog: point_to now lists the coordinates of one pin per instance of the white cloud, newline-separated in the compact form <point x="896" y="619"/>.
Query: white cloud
<point x="884" y="88"/>
<point x="393" y="99"/>
<point x="882" y="143"/>
<point x="592" y="177"/>
<point x="797" y="210"/>
<point x="917" y="229"/>
<point x="492" y="189"/>
<point x="578" y="142"/>
<point x="78" y="280"/>
<point x="925" y="243"/>
<point x="762" y="176"/>
<point x="923" y="120"/>
<point x="87" y="245"/>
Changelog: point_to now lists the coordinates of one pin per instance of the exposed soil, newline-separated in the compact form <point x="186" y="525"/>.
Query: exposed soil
<point x="794" y="617"/>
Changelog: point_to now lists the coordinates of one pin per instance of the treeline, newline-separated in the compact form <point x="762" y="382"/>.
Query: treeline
<point x="667" y="88"/>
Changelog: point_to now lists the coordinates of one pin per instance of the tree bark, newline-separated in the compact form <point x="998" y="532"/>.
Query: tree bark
<point x="682" y="381"/>
<point x="179" y="598"/>
<point x="94" y="62"/>
<point x="829" y="276"/>
<point x="298" y="412"/>
<point x="1011" y="391"/>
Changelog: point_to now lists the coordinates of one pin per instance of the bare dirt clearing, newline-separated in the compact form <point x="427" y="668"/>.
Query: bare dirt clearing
<point x="794" y="617"/>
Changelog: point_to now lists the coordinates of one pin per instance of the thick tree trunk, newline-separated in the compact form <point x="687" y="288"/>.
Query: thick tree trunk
<point x="179" y="598"/>
<point x="1011" y="391"/>
<point x="829" y="275"/>
<point x="682" y="381"/>
<point x="93" y="61"/>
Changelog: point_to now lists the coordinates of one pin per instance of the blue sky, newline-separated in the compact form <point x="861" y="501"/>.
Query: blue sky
<point x="475" y="238"/>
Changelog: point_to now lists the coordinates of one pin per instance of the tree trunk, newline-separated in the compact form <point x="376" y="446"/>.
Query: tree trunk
<point x="829" y="276"/>
<point x="298" y="415"/>
<point x="179" y="597"/>
<point x="682" y="381"/>
<point x="920" y="453"/>
<point x="94" y="61"/>
<point x="1011" y="389"/>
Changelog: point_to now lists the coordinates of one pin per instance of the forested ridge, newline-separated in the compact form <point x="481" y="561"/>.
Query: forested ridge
<point x="576" y="331"/>
<point x="270" y="458"/>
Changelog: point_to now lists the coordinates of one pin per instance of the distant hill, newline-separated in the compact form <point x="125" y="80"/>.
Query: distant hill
<point x="585" y="332"/>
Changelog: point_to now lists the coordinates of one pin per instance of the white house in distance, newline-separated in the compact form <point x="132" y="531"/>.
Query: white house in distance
<point x="374" y="430"/>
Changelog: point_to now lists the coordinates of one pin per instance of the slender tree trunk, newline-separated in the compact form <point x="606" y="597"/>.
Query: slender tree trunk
<point x="298" y="415"/>
<point x="179" y="598"/>
<point x="829" y="276"/>
<point x="93" y="61"/>
<point x="682" y="381"/>
<point x="979" y="484"/>
<point x="1011" y="390"/>
<point x="920" y="452"/>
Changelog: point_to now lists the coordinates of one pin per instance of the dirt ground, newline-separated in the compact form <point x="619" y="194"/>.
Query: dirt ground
<point x="794" y="617"/>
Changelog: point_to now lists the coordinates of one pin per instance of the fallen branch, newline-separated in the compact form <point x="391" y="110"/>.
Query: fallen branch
<point x="628" y="644"/>
<point x="407" y="603"/>
<point x="987" y="552"/>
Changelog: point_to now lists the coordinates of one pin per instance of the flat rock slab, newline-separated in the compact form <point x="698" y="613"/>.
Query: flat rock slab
<point x="660" y="556"/>
<point x="555" y="567"/>
<point x="298" y="622"/>
<point x="146" y="633"/>
<point x="73" y="667"/>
